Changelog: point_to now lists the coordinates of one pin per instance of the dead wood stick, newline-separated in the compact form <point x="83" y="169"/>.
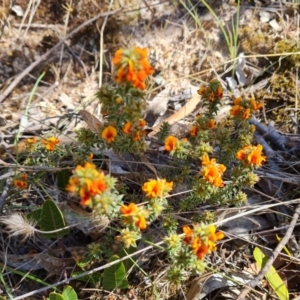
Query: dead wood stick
<point x="15" y="82"/>
<point x="253" y="283"/>
<point x="270" y="134"/>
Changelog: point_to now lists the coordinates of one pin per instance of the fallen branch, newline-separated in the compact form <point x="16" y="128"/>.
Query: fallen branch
<point x="253" y="283"/>
<point x="270" y="134"/>
<point x="15" y="82"/>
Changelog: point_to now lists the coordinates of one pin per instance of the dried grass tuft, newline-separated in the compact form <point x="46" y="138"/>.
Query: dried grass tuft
<point x="17" y="224"/>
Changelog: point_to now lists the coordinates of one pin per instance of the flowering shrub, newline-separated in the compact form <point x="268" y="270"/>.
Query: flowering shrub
<point x="132" y="66"/>
<point x="216" y="161"/>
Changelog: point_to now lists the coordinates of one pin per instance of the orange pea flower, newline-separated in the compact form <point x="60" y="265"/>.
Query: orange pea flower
<point x="50" y="143"/>
<point x="212" y="171"/>
<point x="244" y="108"/>
<point x="215" y="236"/>
<point x="212" y="124"/>
<point x="219" y="92"/>
<point x="152" y="188"/>
<point x="127" y="127"/>
<point x="87" y="182"/>
<point x="202" y="239"/>
<point x="251" y="155"/>
<point x="237" y="101"/>
<point x="200" y="248"/>
<point x="202" y="90"/>
<point x="109" y="133"/>
<point x="133" y="215"/>
<point x="20" y="184"/>
<point x="157" y="188"/>
<point x="255" y="105"/>
<point x="142" y="123"/>
<point x="189" y="232"/>
<point x="127" y="210"/>
<point x="137" y="136"/>
<point x="141" y="223"/>
<point x="194" y="131"/>
<point x="132" y="66"/>
<point x="235" y="110"/>
<point x="170" y="143"/>
<point x="246" y="113"/>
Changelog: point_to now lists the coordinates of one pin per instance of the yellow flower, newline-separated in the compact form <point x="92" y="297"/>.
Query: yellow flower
<point x="128" y="237"/>
<point x="109" y="133"/>
<point x="31" y="141"/>
<point x="215" y="236"/>
<point x="127" y="127"/>
<point x="119" y="100"/>
<point x="50" y="143"/>
<point x="206" y="160"/>
<point x="170" y="143"/>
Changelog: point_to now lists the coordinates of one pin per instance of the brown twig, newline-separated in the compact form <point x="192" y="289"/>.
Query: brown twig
<point x="271" y="260"/>
<point x="15" y="82"/>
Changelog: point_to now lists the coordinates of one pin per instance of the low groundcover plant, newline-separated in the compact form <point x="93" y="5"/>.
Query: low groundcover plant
<point x="217" y="162"/>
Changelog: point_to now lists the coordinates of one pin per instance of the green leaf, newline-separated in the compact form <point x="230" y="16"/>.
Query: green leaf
<point x="52" y="219"/>
<point x="35" y="215"/>
<point x="93" y="278"/>
<point x="55" y="296"/>
<point x="272" y="276"/>
<point x="62" y="178"/>
<point x="284" y="248"/>
<point x="85" y="261"/>
<point x="69" y="293"/>
<point x="129" y="262"/>
<point x="115" y="276"/>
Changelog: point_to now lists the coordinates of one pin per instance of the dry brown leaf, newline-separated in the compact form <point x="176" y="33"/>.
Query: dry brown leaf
<point x="189" y="107"/>
<point x="93" y="123"/>
<point x="146" y="161"/>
